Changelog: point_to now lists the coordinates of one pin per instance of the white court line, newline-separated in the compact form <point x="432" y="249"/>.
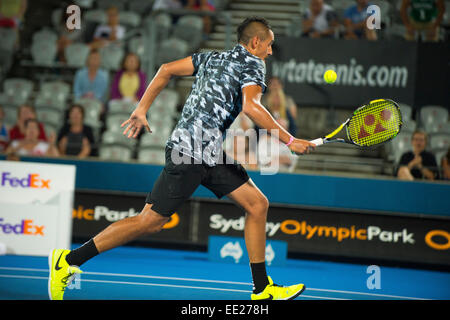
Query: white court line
<point x="215" y="281"/>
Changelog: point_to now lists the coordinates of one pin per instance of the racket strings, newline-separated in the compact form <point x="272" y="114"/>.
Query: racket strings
<point x="375" y="123"/>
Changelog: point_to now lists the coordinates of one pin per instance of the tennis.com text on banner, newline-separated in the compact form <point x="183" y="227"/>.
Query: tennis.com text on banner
<point x="32" y="180"/>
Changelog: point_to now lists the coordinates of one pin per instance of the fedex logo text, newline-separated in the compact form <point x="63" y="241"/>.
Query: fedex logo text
<point x="25" y="227"/>
<point x="31" y="181"/>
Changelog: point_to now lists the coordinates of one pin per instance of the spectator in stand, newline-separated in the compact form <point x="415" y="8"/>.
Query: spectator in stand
<point x="319" y="20"/>
<point x="24" y="113"/>
<point x="355" y="22"/>
<point x="110" y="32"/>
<point x="445" y="165"/>
<point x="30" y="145"/>
<point x="280" y="104"/>
<point x="66" y="36"/>
<point x="130" y="82"/>
<point x="422" y="16"/>
<point x="76" y="138"/>
<point x="12" y="13"/>
<point x="91" y="81"/>
<point x="202" y="5"/>
<point x="418" y="163"/>
<point x="3" y="131"/>
<point x="273" y="155"/>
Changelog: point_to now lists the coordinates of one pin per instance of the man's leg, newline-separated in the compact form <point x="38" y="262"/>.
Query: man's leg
<point x="119" y="233"/>
<point x="255" y="204"/>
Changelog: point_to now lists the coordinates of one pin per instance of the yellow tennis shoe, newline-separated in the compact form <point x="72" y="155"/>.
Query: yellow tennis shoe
<point x="276" y="292"/>
<point x="61" y="274"/>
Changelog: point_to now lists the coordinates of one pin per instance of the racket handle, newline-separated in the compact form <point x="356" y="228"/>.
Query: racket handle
<point x="317" y="142"/>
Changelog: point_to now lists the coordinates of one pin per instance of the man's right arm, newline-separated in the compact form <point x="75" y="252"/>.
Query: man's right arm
<point x="252" y="107"/>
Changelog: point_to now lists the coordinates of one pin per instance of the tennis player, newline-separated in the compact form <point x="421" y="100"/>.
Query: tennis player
<point x="225" y="84"/>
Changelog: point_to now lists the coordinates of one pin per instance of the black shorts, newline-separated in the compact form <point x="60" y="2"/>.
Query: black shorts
<point x="177" y="182"/>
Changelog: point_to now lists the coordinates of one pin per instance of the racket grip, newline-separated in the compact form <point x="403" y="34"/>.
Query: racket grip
<point x="317" y="142"/>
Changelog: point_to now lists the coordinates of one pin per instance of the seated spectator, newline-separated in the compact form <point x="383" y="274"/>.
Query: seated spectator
<point x="274" y="155"/>
<point x="24" y="113"/>
<point x="3" y="131"/>
<point x="30" y="145"/>
<point x="12" y="13"/>
<point x="76" y="138"/>
<point x="202" y="5"/>
<point x="66" y="36"/>
<point x="167" y="5"/>
<point x="355" y="21"/>
<point x="445" y="165"/>
<point x="129" y="82"/>
<point x="280" y="104"/>
<point x="91" y="81"/>
<point x="422" y="16"/>
<point x="319" y="20"/>
<point x="109" y="32"/>
<point x="418" y="163"/>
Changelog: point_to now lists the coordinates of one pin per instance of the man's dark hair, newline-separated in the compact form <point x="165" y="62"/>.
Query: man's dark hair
<point x="250" y="27"/>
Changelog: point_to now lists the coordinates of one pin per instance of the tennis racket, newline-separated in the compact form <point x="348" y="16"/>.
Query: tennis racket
<point x="372" y="124"/>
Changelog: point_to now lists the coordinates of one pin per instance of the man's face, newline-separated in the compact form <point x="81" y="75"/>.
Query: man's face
<point x="316" y="6"/>
<point x="264" y="47"/>
<point x="419" y="142"/>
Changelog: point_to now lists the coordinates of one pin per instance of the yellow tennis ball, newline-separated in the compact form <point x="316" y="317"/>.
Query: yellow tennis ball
<point x="330" y="76"/>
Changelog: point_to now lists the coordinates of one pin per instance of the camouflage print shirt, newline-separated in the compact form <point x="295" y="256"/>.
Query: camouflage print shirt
<point x="214" y="102"/>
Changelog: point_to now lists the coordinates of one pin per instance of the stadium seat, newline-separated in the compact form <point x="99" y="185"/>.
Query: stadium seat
<point x="8" y="37"/>
<point x="431" y="116"/>
<point x="119" y="106"/>
<point x="17" y="90"/>
<point x="113" y="122"/>
<point x="130" y="19"/>
<point x="137" y="46"/>
<point x="294" y="28"/>
<point x="51" y="128"/>
<point x="43" y="53"/>
<point x="49" y="116"/>
<point x="117" y="138"/>
<point x="58" y="90"/>
<point x="190" y="29"/>
<point x="401" y="144"/>
<point x="170" y="50"/>
<point x="84" y="3"/>
<point x="167" y="99"/>
<point x="10" y="114"/>
<point x="111" y="56"/>
<point x="114" y="153"/>
<point x="163" y="22"/>
<point x="76" y="54"/>
<point x="45" y="35"/>
<point x="152" y="140"/>
<point x="406" y="110"/>
<point x="440" y="141"/>
<point x="409" y="125"/>
<point x="96" y="16"/>
<point x="152" y="155"/>
<point x="140" y="6"/>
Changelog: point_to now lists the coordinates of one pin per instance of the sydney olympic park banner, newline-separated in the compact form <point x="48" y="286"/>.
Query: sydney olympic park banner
<point x="403" y="71"/>
<point x="309" y="231"/>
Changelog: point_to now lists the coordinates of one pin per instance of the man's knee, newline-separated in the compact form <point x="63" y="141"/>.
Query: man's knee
<point x="151" y="220"/>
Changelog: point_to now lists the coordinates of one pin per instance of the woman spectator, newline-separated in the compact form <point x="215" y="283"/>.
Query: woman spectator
<point x="281" y="105"/>
<point x="110" y="32"/>
<point x="30" y="145"/>
<point x="75" y="138"/>
<point x="130" y="82"/>
<point x="24" y="113"/>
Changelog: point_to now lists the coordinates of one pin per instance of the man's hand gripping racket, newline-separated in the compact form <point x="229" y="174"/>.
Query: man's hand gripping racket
<point x="372" y="124"/>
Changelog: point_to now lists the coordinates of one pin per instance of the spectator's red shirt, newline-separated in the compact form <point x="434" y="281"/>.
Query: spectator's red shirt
<point x="15" y="134"/>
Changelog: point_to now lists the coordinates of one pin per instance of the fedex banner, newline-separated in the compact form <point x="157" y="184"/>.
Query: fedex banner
<point x="36" y="202"/>
<point x="366" y="70"/>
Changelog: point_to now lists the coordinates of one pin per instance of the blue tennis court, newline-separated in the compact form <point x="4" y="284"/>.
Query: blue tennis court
<point x="161" y="274"/>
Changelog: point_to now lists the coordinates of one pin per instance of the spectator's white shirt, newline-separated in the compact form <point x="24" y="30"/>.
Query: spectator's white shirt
<point x="270" y="149"/>
<point x="103" y="31"/>
<point x="321" y="23"/>
<point x="39" y="150"/>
